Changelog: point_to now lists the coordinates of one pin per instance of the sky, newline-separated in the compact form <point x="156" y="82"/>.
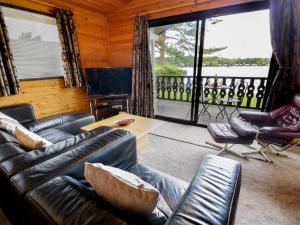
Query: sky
<point x="245" y="35"/>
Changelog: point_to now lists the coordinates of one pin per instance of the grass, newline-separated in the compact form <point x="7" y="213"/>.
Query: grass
<point x="184" y="98"/>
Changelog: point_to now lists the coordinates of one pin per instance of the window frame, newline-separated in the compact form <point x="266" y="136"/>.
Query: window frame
<point x="200" y="15"/>
<point x="49" y="14"/>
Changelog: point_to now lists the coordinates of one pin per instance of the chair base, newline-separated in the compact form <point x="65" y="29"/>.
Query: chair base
<point x="225" y="148"/>
<point x="260" y="151"/>
<point x="244" y="155"/>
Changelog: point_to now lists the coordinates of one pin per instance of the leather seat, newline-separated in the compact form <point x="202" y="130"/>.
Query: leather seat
<point x="54" y="135"/>
<point x="211" y="198"/>
<point x="224" y="133"/>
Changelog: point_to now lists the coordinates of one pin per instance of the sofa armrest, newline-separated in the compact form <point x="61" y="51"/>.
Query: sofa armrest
<point x="23" y="113"/>
<point x="212" y="196"/>
<point x="59" y="120"/>
<point x="256" y="116"/>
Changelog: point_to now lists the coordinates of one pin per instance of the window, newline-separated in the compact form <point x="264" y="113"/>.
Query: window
<point x="229" y="47"/>
<point x="35" y="44"/>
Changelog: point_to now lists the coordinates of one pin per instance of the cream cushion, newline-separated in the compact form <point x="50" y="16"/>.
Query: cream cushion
<point x="31" y="140"/>
<point x="122" y="189"/>
<point x="8" y="124"/>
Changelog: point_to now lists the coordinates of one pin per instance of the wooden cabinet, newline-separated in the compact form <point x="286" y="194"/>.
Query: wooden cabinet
<point x="108" y="106"/>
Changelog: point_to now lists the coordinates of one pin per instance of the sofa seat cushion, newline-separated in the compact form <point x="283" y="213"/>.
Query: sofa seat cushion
<point x="171" y="188"/>
<point x="76" y="122"/>
<point x="9" y="150"/>
<point x="9" y="146"/>
<point x="66" y="199"/>
<point x="54" y="135"/>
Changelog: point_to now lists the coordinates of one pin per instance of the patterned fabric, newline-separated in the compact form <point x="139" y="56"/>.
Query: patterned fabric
<point x="142" y="85"/>
<point x="70" y="48"/>
<point x="290" y="119"/>
<point x="9" y="83"/>
<point x="285" y="46"/>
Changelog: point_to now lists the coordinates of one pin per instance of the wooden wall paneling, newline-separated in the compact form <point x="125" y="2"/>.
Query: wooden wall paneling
<point x="50" y="96"/>
<point x="120" y="42"/>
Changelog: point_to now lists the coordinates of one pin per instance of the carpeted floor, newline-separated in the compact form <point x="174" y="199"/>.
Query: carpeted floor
<point x="270" y="194"/>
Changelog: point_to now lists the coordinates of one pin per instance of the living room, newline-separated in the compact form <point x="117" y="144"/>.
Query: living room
<point x="212" y="148"/>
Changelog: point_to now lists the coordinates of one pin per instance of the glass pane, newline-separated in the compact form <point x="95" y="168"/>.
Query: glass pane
<point x="173" y="50"/>
<point x="35" y="44"/>
<point x="237" y="51"/>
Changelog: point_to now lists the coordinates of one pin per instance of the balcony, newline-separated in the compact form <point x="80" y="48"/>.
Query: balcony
<point x="174" y="95"/>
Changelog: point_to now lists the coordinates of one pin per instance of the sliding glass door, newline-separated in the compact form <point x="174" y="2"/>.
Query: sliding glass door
<point x="174" y="55"/>
<point x="230" y="46"/>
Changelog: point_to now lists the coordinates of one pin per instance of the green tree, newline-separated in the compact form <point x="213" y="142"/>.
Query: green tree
<point x="176" y="44"/>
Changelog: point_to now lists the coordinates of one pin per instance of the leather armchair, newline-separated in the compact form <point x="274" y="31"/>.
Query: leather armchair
<point x="279" y="126"/>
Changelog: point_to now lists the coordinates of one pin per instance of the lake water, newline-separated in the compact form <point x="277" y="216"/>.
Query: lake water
<point x="232" y="71"/>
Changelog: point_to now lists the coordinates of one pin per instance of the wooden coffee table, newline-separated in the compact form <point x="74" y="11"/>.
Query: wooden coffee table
<point x="140" y="127"/>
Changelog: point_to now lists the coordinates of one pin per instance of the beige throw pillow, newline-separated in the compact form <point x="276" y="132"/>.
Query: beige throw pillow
<point x="8" y="124"/>
<point x="122" y="189"/>
<point x="30" y="140"/>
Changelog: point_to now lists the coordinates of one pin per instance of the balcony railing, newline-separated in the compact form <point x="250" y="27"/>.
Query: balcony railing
<point x="179" y="88"/>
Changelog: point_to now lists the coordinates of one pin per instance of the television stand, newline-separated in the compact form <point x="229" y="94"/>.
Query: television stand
<point x="103" y="107"/>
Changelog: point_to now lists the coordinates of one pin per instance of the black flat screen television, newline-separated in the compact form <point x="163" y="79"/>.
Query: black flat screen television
<point x="108" y="81"/>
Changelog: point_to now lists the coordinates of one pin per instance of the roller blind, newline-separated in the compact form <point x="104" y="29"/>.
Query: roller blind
<point x="35" y="44"/>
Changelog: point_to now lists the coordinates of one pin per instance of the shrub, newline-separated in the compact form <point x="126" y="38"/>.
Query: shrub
<point x="169" y="70"/>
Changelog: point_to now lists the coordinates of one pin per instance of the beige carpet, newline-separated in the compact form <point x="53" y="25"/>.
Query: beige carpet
<point x="270" y="194"/>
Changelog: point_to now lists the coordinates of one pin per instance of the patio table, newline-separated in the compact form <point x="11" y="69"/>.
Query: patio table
<point x="215" y="97"/>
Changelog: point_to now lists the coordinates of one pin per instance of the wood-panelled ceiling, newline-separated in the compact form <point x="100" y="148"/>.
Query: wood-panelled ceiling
<point x="99" y="6"/>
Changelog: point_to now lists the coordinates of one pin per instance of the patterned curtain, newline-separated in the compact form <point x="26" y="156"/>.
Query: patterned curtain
<point x="9" y="83"/>
<point x="285" y="46"/>
<point x="70" y="48"/>
<point x="142" y="86"/>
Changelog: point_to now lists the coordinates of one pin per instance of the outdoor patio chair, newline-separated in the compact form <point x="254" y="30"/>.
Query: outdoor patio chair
<point x="275" y="131"/>
<point x="239" y="91"/>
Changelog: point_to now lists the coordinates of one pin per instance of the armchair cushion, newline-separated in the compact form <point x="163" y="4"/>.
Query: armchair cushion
<point x="280" y="132"/>
<point x="243" y="128"/>
<point x="255" y="116"/>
